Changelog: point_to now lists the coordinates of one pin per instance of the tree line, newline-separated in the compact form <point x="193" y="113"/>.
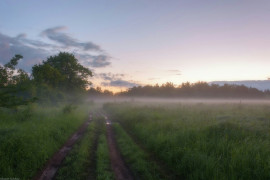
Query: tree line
<point x="196" y="90"/>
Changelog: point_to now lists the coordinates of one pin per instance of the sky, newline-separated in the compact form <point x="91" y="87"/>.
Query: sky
<point x="138" y="42"/>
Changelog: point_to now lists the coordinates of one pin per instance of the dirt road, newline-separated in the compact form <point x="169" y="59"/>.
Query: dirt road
<point x="51" y="167"/>
<point x="121" y="171"/>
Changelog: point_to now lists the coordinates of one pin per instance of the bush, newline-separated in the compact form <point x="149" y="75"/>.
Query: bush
<point x="69" y="108"/>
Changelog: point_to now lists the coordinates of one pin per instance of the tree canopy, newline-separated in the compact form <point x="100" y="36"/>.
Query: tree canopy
<point x="62" y="71"/>
<point x="7" y="73"/>
<point x="13" y="83"/>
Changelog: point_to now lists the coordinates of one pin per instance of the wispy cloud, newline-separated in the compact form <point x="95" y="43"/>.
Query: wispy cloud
<point x="56" y="34"/>
<point x="34" y="51"/>
<point x="110" y="76"/>
<point x="174" y="72"/>
<point x="151" y="79"/>
<point x="9" y="46"/>
<point x="120" y="83"/>
<point x="116" y="80"/>
<point x="94" y="60"/>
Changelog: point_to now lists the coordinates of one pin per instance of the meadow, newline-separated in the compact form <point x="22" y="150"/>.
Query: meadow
<point x="168" y="140"/>
<point x="200" y="141"/>
<point x="30" y="135"/>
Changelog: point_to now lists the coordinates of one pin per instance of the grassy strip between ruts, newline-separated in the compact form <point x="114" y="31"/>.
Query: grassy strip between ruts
<point x="136" y="158"/>
<point x="104" y="171"/>
<point x="30" y="136"/>
<point x="75" y="166"/>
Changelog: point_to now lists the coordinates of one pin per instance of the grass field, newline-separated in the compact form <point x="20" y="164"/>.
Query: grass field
<point x="76" y="164"/>
<point x="202" y="141"/>
<point x="139" y="162"/>
<point x="104" y="171"/>
<point x="156" y="141"/>
<point x="31" y="135"/>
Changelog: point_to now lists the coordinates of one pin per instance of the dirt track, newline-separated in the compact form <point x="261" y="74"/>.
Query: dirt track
<point x="121" y="171"/>
<point x="51" y="167"/>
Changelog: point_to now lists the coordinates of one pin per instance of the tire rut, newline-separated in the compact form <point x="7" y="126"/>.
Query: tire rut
<point x="118" y="165"/>
<point x="52" y="165"/>
<point x="167" y="173"/>
<point x="93" y="152"/>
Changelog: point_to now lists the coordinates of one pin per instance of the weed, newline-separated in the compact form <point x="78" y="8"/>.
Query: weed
<point x="69" y="108"/>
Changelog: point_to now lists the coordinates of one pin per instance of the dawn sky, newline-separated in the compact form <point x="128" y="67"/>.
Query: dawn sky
<point x="128" y="42"/>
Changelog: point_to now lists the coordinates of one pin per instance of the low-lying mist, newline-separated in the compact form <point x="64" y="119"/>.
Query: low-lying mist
<point x="159" y="101"/>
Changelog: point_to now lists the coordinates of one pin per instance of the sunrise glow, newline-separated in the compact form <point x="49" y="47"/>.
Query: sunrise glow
<point x="143" y="42"/>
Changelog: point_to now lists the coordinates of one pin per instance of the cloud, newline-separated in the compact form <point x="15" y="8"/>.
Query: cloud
<point x="174" y="72"/>
<point x="120" y="83"/>
<point x="55" y="34"/>
<point x="96" y="61"/>
<point x="100" y="61"/>
<point x="153" y="79"/>
<point x="34" y="51"/>
<point x="9" y="46"/>
<point x="106" y="76"/>
<point x="116" y="80"/>
<point x="110" y="76"/>
<point x="23" y="35"/>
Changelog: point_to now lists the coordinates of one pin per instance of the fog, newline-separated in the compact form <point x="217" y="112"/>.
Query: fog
<point x="144" y="100"/>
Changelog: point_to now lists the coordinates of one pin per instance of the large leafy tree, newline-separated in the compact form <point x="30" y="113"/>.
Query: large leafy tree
<point x="62" y="71"/>
<point x="7" y="76"/>
<point x="13" y="82"/>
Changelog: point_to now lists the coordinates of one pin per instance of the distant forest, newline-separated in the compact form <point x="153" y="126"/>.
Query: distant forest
<point x="188" y="90"/>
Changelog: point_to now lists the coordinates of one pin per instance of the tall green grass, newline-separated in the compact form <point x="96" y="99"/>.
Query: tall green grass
<point x="76" y="164"/>
<point x="86" y="161"/>
<point x="31" y="135"/>
<point x="137" y="160"/>
<point x="201" y="141"/>
<point x="104" y="171"/>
